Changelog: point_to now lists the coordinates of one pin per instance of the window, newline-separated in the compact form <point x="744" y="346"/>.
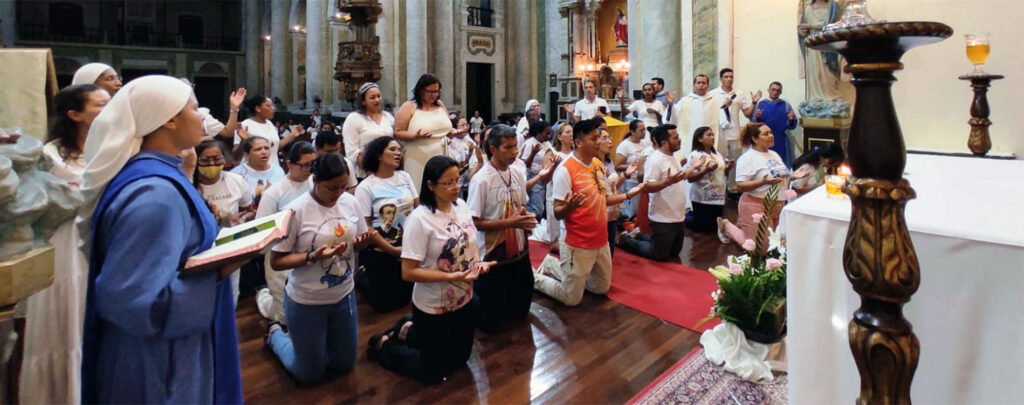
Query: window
<point x="66" y="20"/>
<point x="190" y="28"/>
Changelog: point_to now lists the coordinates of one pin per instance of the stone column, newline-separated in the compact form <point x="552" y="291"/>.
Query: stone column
<point x="415" y="43"/>
<point x="685" y="35"/>
<point x="296" y="18"/>
<point x="253" y="44"/>
<point x="279" y="58"/>
<point x="660" y="52"/>
<point x="7" y="15"/>
<point x="634" y="17"/>
<point x="443" y="49"/>
<point x="315" y="62"/>
<point x="556" y="44"/>
<point x="522" y="55"/>
<point x="386" y="32"/>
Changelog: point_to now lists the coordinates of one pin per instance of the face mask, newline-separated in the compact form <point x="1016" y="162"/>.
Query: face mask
<point x="211" y="172"/>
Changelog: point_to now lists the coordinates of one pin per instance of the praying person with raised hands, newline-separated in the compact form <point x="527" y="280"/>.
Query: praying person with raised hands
<point x="144" y="218"/>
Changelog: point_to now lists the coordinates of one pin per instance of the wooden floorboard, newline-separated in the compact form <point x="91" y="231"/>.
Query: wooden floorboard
<point x="597" y="352"/>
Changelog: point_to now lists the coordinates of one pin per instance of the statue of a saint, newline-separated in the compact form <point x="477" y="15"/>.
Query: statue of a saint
<point x="621" y="30"/>
<point x="821" y="70"/>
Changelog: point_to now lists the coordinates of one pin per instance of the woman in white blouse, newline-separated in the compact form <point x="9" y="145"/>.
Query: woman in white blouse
<point x="369" y="122"/>
<point x="423" y="125"/>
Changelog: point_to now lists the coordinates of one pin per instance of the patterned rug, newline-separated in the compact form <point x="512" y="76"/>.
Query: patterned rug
<point x="695" y="380"/>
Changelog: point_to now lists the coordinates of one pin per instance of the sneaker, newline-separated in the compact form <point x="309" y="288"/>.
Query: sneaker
<point x="721" y="231"/>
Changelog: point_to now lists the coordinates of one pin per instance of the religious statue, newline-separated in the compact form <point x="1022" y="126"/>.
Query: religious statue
<point x="608" y="83"/>
<point x="621" y="30"/>
<point x="822" y="71"/>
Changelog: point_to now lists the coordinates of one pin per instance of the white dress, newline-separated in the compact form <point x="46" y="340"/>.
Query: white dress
<point x="419" y="151"/>
<point x="50" y="371"/>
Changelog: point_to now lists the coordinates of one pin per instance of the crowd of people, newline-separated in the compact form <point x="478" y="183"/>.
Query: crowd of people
<point x="420" y="207"/>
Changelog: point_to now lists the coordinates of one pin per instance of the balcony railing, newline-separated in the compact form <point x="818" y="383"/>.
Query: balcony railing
<point x="481" y="17"/>
<point x="131" y="37"/>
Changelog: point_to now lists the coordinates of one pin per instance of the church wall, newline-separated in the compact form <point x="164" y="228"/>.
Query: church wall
<point x="933" y="106"/>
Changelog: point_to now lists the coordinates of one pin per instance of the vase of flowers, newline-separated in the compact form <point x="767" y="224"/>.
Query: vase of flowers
<point x="752" y="288"/>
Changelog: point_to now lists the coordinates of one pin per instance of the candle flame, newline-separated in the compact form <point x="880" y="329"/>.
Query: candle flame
<point x="844" y="170"/>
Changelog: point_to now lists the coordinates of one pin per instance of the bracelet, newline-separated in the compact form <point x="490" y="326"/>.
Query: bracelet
<point x="234" y="110"/>
<point x="307" y="257"/>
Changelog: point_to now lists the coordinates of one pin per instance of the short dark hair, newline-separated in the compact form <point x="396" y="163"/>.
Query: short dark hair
<point x="328" y="167"/>
<point x="432" y="172"/>
<point x="660" y="81"/>
<point x="538" y="127"/>
<point x="247" y="146"/>
<point x="253" y="101"/>
<point x="63" y="129"/>
<point x="203" y="146"/>
<point x="697" y="134"/>
<point x="774" y="83"/>
<point x="326" y="138"/>
<point x="724" y="71"/>
<point x="425" y="80"/>
<point x="582" y="128"/>
<point x="700" y="76"/>
<point x="498" y="134"/>
<point x="660" y="134"/>
<point x="373" y="151"/>
<point x="298" y="149"/>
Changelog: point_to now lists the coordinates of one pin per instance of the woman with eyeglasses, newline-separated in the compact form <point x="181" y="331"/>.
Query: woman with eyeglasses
<point x="387" y="196"/>
<point x="270" y="300"/>
<point x="226" y="194"/>
<point x="439" y="254"/>
<point x="422" y="124"/>
<point x="99" y="74"/>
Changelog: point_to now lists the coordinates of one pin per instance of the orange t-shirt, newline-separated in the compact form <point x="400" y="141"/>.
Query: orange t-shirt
<point x="586" y="227"/>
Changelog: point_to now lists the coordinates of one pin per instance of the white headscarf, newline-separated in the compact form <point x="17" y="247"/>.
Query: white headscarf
<point x="530" y="103"/>
<point x="89" y="73"/>
<point x="138" y="109"/>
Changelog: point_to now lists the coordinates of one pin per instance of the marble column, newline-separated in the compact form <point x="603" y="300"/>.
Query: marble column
<point x="253" y="43"/>
<point x="634" y="17"/>
<point x="7" y="19"/>
<point x="415" y="43"/>
<point x="685" y="49"/>
<point x="555" y="42"/>
<point x="442" y="48"/>
<point x="386" y="32"/>
<point x="316" y="15"/>
<point x="660" y="56"/>
<point x="297" y="18"/>
<point x="522" y="55"/>
<point x="279" y="45"/>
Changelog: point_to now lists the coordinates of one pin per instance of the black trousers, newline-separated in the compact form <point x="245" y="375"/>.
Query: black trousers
<point x="704" y="217"/>
<point x="665" y="242"/>
<point x="436" y="346"/>
<point x="505" y="293"/>
<point x="613" y="229"/>
<point x="382" y="284"/>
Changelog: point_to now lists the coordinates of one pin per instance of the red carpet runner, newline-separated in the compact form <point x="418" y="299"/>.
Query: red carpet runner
<point x="669" y="291"/>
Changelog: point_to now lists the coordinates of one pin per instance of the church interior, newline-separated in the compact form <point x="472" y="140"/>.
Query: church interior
<point x="510" y="201"/>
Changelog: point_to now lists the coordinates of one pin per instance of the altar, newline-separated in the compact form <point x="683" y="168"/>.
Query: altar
<point x="969" y="235"/>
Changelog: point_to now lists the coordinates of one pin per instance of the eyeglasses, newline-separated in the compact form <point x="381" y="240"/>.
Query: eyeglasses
<point x="303" y="166"/>
<point x="214" y="160"/>
<point x="451" y="184"/>
<point x="438" y="91"/>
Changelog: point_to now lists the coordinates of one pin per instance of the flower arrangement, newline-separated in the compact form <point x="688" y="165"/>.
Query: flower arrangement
<point x="752" y="288"/>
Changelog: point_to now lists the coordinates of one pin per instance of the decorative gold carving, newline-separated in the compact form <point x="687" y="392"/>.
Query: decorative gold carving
<point x="890" y="358"/>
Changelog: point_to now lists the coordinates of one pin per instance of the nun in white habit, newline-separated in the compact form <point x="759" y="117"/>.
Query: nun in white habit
<point x="152" y="336"/>
<point x="99" y="74"/>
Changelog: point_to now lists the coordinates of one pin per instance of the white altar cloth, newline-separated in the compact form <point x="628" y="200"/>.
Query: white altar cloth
<point x="967" y="225"/>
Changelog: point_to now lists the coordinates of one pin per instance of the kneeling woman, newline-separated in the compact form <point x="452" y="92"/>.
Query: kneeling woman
<point x="325" y="232"/>
<point x="441" y="256"/>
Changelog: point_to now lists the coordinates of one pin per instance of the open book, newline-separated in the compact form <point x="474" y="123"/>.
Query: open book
<point x="250" y="239"/>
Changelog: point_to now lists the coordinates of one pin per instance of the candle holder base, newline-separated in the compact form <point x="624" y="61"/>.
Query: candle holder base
<point x="979" y="141"/>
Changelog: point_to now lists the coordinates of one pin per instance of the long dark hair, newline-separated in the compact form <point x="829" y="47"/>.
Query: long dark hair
<point x="63" y="129"/>
<point x="426" y="80"/>
<point x="203" y="146"/>
<point x="432" y="172"/>
<point x="832" y="151"/>
<point x="374" y="150"/>
<point x="697" y="134"/>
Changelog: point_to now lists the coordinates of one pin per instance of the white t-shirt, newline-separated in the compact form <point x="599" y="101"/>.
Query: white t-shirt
<point x="280" y="194"/>
<point x="522" y="129"/>
<point x="255" y="177"/>
<point x="669" y="204"/>
<point x="460" y="148"/>
<point x="228" y="195"/>
<point x="632" y="151"/>
<point x="754" y="164"/>
<point x="359" y="130"/>
<point x="731" y="132"/>
<point x="328" y="280"/>
<point x="586" y="110"/>
<point x="538" y="159"/>
<point x="710" y="189"/>
<point x="267" y="131"/>
<point x="494" y="195"/>
<point x="70" y="170"/>
<point x="640" y="108"/>
<point x="476" y="125"/>
<point x="443" y="241"/>
<point x="373" y="193"/>
<point x="211" y="126"/>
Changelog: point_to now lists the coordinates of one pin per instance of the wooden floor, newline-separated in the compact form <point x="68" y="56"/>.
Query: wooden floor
<point x="597" y="352"/>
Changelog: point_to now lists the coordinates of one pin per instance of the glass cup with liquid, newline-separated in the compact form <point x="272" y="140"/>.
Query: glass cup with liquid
<point x="977" y="51"/>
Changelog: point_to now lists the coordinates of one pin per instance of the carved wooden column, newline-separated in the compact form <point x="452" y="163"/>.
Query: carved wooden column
<point x="979" y="142"/>
<point x="879" y="256"/>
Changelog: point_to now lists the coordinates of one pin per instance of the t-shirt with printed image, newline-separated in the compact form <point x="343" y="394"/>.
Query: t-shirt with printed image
<point x="387" y="202"/>
<point x="445" y="241"/>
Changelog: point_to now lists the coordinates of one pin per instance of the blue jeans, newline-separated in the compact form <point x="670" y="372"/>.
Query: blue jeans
<point x="536" y="203"/>
<point x="320" y="337"/>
